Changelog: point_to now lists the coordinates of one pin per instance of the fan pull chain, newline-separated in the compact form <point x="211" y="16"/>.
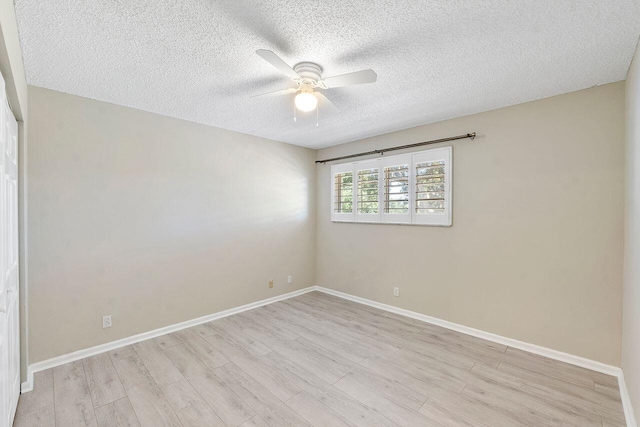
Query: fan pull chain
<point x="295" y="119"/>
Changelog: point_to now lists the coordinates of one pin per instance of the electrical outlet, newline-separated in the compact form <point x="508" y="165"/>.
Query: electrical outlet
<point x="106" y="321"/>
<point x="271" y="283"/>
<point x="289" y="279"/>
<point x="396" y="291"/>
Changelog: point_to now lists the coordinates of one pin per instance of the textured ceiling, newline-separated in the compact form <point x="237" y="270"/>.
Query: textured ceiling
<point x="195" y="59"/>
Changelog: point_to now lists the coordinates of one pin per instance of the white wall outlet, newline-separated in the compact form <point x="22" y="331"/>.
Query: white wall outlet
<point x="106" y="321"/>
<point x="396" y="291"/>
<point x="289" y="279"/>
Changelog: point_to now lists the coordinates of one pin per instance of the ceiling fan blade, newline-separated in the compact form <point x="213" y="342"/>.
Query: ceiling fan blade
<point x="277" y="92"/>
<point x="325" y="104"/>
<point x="252" y="19"/>
<point x="356" y="78"/>
<point x="277" y="62"/>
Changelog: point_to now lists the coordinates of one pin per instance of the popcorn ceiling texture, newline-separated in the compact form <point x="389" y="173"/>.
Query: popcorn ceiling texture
<point x="195" y="59"/>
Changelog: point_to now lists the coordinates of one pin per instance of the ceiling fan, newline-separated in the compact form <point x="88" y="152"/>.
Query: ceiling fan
<point x="308" y="78"/>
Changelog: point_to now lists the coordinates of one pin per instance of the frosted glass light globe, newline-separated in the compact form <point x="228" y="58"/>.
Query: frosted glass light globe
<point x="306" y="101"/>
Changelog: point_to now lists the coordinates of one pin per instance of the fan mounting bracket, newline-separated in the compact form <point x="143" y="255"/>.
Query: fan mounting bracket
<point x="310" y="74"/>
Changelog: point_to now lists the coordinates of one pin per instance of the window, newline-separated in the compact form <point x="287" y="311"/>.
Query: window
<point x="397" y="186"/>
<point x="344" y="188"/>
<point x="432" y="188"/>
<point x="405" y="189"/>
<point x="342" y="192"/>
<point x="396" y="189"/>
<point x="367" y="184"/>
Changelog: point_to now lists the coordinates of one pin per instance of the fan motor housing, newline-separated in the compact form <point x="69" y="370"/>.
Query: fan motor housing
<point x="309" y="71"/>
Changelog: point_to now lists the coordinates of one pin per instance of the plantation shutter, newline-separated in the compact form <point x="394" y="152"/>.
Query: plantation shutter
<point x="396" y="192"/>
<point x="405" y="189"/>
<point x="367" y="188"/>
<point x="431" y="191"/>
<point x="342" y="194"/>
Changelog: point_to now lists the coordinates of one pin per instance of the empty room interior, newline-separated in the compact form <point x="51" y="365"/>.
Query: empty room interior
<point x="244" y="213"/>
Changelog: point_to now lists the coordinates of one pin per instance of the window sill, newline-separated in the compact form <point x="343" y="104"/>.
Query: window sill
<point x="392" y="223"/>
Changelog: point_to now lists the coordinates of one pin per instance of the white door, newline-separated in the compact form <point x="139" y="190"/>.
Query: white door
<point x="9" y="295"/>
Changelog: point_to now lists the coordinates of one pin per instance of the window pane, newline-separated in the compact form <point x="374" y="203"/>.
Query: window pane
<point x="430" y="187"/>
<point x="343" y="202"/>
<point x="396" y="189"/>
<point x="368" y="191"/>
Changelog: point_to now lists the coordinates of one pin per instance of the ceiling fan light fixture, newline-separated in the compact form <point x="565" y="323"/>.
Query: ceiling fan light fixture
<point x="308" y="76"/>
<point x="306" y="101"/>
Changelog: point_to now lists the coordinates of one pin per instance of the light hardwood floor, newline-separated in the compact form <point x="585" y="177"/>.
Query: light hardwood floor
<point x="322" y="361"/>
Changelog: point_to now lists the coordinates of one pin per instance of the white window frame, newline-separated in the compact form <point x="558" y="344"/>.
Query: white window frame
<point x="342" y="217"/>
<point x="358" y="166"/>
<point x="444" y="218"/>
<point x="394" y="218"/>
<point x="411" y="218"/>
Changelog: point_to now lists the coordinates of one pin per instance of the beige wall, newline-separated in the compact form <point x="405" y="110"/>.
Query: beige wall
<point x="136" y="215"/>
<point x="155" y="221"/>
<point x="631" y="287"/>
<point x="535" y="250"/>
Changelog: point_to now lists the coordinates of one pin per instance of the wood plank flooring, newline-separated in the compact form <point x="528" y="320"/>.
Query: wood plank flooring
<point x="317" y="360"/>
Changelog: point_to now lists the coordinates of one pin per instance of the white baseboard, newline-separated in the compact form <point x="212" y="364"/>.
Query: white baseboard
<point x="626" y="402"/>
<point x="532" y="348"/>
<point x="521" y="345"/>
<point x="92" y="351"/>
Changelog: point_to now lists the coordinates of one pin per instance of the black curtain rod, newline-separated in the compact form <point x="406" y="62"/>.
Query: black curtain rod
<point x="401" y="147"/>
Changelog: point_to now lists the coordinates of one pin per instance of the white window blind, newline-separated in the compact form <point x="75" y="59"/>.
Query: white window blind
<point x="405" y="189"/>
<point x="342" y="193"/>
<point x="397" y="186"/>
<point x="432" y="188"/>
<point x="367" y="194"/>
